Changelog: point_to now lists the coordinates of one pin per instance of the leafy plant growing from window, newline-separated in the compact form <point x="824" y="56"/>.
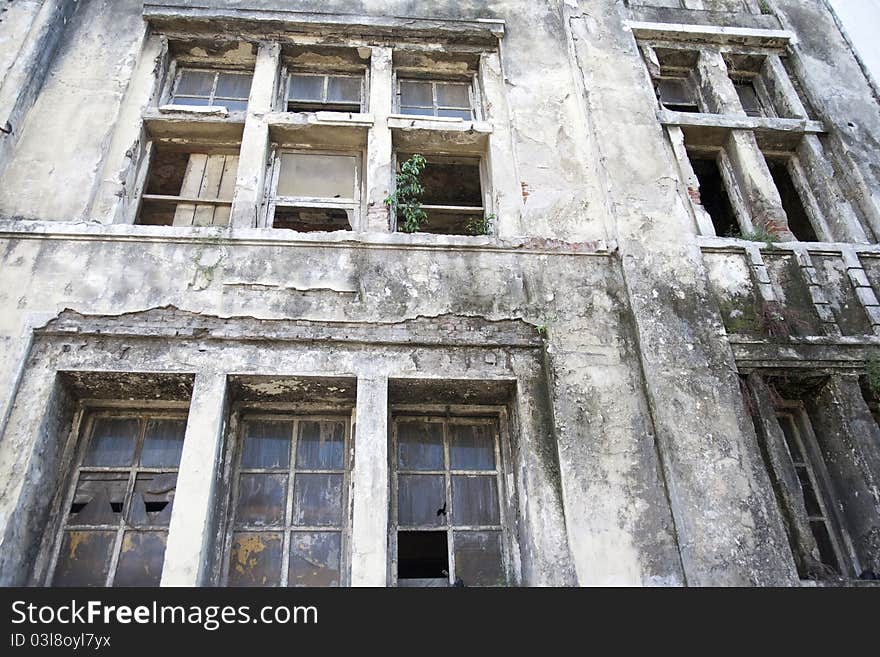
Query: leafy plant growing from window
<point x="406" y="200"/>
<point x="758" y="234"/>
<point x="481" y="225"/>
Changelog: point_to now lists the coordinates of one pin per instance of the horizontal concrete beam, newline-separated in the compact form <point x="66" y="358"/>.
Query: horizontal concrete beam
<point x="745" y="36"/>
<point x="759" y="123"/>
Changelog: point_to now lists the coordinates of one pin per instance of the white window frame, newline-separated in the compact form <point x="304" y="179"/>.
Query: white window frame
<point x="470" y="81"/>
<point x="178" y="75"/>
<point x="285" y="88"/>
<point x="352" y="205"/>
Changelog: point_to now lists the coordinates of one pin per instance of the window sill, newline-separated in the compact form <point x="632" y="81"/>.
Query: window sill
<point x="415" y="133"/>
<point x="416" y="122"/>
<point x="320" y="118"/>
<point x="167" y="123"/>
<point x="338" y="129"/>
<point x="760" y="123"/>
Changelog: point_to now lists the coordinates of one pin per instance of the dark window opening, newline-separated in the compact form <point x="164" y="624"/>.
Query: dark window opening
<point x="308" y="220"/>
<point x="422" y="556"/>
<point x="748" y="97"/>
<point x="676" y="94"/>
<point x="453" y="196"/>
<point x="798" y="220"/>
<point x="714" y="197"/>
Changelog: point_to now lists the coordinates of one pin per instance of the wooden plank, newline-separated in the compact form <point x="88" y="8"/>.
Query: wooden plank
<point x="227" y="188"/>
<point x="210" y="189"/>
<point x="192" y="184"/>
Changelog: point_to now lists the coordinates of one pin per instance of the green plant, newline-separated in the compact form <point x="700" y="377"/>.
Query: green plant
<point x="406" y="199"/>
<point x="758" y="234"/>
<point x="480" y="225"/>
<point x="873" y="374"/>
<point x="765" y="7"/>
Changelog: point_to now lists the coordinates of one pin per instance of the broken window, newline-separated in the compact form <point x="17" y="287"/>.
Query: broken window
<point x="453" y="194"/>
<point x="315" y="191"/>
<point x="186" y="188"/>
<point x="676" y="94"/>
<point x="288" y="501"/>
<point x="748" y="96"/>
<point x="119" y="506"/>
<point x="436" y="98"/>
<point x="798" y="220"/>
<point x="713" y="193"/>
<point x="209" y="88"/>
<point x="313" y="92"/>
<point x="447" y="515"/>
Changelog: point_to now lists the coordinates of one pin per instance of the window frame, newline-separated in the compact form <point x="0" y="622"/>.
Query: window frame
<point x="182" y="68"/>
<point x="325" y="105"/>
<point x="84" y="432"/>
<point x="273" y="201"/>
<point x="507" y="503"/>
<point x="434" y="80"/>
<point x="236" y="448"/>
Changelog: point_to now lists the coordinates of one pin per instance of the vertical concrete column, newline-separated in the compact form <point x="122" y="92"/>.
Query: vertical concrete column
<point x="506" y="192"/>
<point x="850" y="442"/>
<point x="716" y="87"/>
<point x="702" y="218"/>
<point x="379" y="146"/>
<point x="369" y="521"/>
<point x="254" y="152"/>
<point x="192" y="521"/>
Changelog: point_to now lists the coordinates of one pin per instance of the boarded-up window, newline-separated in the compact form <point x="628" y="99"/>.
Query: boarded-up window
<point x="289" y="498"/>
<point x="119" y="506"/>
<point x="315" y="191"/>
<point x="189" y="189"/>
<point x="436" y="98"/>
<point x="448" y="516"/>
<point x="207" y="88"/>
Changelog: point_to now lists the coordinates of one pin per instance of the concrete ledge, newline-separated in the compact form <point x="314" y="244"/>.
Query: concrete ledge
<point x="813" y="353"/>
<point x="703" y="17"/>
<point x="715" y="34"/>
<point x="736" y="245"/>
<point x="758" y="123"/>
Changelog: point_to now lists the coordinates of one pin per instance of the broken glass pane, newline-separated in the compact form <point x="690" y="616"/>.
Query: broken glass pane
<point x="266" y="444"/>
<point x="453" y="95"/>
<point x="478" y="558"/>
<point x="343" y="90"/>
<point x="113" y="441"/>
<point x="192" y="100"/>
<point x="320" y="445"/>
<point x="84" y="559"/>
<point x="316" y="176"/>
<point x="152" y="500"/>
<point x="195" y="83"/>
<point x="141" y="559"/>
<point x="261" y="499"/>
<point x="314" y="559"/>
<point x="471" y="447"/>
<point x="98" y="498"/>
<point x="420" y="445"/>
<point x="317" y="500"/>
<point x="306" y="87"/>
<point x="255" y="559"/>
<point x="421" y="500"/>
<point x="415" y="94"/>
<point x="163" y="443"/>
<point x="233" y="85"/>
<point x="474" y="500"/>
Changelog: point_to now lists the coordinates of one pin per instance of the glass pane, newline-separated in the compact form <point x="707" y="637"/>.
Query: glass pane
<point x="317" y="500"/>
<point x="306" y="87"/>
<point x="233" y="85"/>
<point x="749" y="98"/>
<point x="232" y="105"/>
<point x="454" y="113"/>
<point x="475" y="500"/>
<point x="84" y="559"/>
<point x="343" y="90"/>
<point x="190" y="100"/>
<point x="261" y="499"/>
<point x="421" y="500"/>
<point x="195" y="83"/>
<point x="472" y="446"/>
<point x="266" y="444"/>
<point x="141" y="559"/>
<point x="320" y="445"/>
<point x="98" y="498"/>
<point x="453" y="95"/>
<point x="113" y="441"/>
<point x="163" y="443"/>
<point x="255" y="559"/>
<point x="417" y="111"/>
<point x="314" y="559"/>
<point x="478" y="558"/>
<point x="152" y="500"/>
<point x="316" y="176"/>
<point x="420" y="445"/>
<point x="415" y="94"/>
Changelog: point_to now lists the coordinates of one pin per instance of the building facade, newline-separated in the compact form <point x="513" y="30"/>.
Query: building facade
<point x="634" y="338"/>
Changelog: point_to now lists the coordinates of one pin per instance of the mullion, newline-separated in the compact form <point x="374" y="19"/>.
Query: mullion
<point x="447" y="463"/>
<point x="126" y="501"/>
<point x="288" y="504"/>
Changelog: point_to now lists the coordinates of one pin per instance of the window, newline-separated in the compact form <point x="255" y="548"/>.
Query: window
<point x="120" y="500"/>
<point x="311" y="92"/>
<point x="208" y="88"/>
<point x="676" y="94"/>
<point x="289" y="499"/>
<point x="748" y="96"/>
<point x="798" y="220"/>
<point x="805" y="458"/>
<point x="188" y="188"/>
<point x="448" y="524"/>
<point x="436" y="98"/>
<point x="713" y="193"/>
<point x="453" y="195"/>
<point x="315" y="191"/>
